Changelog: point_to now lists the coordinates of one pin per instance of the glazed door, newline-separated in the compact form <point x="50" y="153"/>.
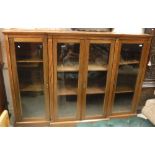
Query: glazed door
<point x="67" y="78"/>
<point x="128" y="72"/>
<point x="30" y="70"/>
<point x="97" y="73"/>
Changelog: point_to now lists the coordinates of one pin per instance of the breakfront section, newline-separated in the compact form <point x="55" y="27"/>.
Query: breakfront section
<point x="128" y="73"/>
<point x="29" y="68"/>
<point x="67" y="71"/>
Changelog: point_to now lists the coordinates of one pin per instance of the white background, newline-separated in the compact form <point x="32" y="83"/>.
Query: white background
<point x="127" y="15"/>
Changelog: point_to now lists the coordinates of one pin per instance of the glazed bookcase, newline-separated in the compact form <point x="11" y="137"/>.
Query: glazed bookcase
<point x="59" y="78"/>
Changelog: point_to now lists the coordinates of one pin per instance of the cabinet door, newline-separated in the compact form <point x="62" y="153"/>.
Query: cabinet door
<point x="128" y="72"/>
<point x="29" y="66"/>
<point x="67" y="78"/>
<point x="97" y="72"/>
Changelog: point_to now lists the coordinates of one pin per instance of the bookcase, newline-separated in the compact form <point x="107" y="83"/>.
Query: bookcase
<point x="60" y="77"/>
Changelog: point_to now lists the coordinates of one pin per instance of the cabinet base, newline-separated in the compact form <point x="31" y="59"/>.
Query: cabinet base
<point x="65" y="123"/>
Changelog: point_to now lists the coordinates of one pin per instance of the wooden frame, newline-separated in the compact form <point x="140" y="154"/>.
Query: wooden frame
<point x="15" y="83"/>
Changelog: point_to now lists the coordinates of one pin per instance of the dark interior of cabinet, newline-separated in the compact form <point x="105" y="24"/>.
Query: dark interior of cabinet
<point x="68" y="54"/>
<point x="27" y="50"/>
<point x="96" y="79"/>
<point x="127" y="76"/>
<point x="30" y="75"/>
<point x="130" y="52"/>
<point x="67" y="106"/>
<point x="122" y="102"/>
<point x="94" y="104"/>
<point x="99" y="54"/>
<point x="32" y="104"/>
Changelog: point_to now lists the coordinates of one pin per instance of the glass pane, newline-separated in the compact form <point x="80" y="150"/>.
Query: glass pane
<point x="122" y="102"/>
<point x="68" y="54"/>
<point x="99" y="54"/>
<point x="67" y="106"/>
<point x="25" y="50"/>
<point x="94" y="105"/>
<point x="31" y="79"/>
<point x="96" y="81"/>
<point x="32" y="104"/>
<point x="131" y="52"/>
<point x="67" y="79"/>
<point x="67" y="83"/>
<point x="127" y="76"/>
<point x="30" y="76"/>
<point x="67" y="88"/>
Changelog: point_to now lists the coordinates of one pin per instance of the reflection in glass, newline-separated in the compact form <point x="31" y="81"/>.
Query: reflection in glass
<point x="122" y="103"/>
<point x="96" y="79"/>
<point x="94" y="105"/>
<point x="26" y="50"/>
<point x="30" y="76"/>
<point x="32" y="104"/>
<point x="99" y="54"/>
<point x="67" y="81"/>
<point x="68" y="54"/>
<point x="131" y="52"/>
<point x="127" y="76"/>
<point x="67" y="106"/>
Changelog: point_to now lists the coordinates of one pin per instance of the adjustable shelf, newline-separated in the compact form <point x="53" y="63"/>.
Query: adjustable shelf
<point x="30" y="61"/>
<point x="95" y="90"/>
<point x="36" y="87"/>
<point x="124" y="89"/>
<point x="68" y="68"/>
<point x="129" y="62"/>
<point x="94" y="67"/>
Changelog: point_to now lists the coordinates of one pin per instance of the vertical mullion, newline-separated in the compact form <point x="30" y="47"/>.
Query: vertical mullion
<point x="46" y="79"/>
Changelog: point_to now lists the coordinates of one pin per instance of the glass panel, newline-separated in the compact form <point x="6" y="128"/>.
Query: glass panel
<point x="96" y="81"/>
<point x="127" y="76"/>
<point x="67" y="88"/>
<point x="67" y="79"/>
<point x="68" y="54"/>
<point x="67" y="83"/>
<point x="31" y="79"/>
<point x="122" y="102"/>
<point x="32" y="104"/>
<point x="131" y="52"/>
<point x="25" y="50"/>
<point x="99" y="54"/>
<point x="94" y="105"/>
<point x="67" y="106"/>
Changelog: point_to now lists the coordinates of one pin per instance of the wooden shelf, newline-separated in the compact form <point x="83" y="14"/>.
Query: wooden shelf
<point x="68" y="68"/>
<point x="94" y="67"/>
<point x="124" y="89"/>
<point x="67" y="91"/>
<point x="31" y="87"/>
<point x="95" y="90"/>
<point x="73" y="91"/>
<point x="30" y="61"/>
<point x="129" y="62"/>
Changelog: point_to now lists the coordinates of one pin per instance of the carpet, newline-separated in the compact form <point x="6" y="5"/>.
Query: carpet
<point x="133" y="121"/>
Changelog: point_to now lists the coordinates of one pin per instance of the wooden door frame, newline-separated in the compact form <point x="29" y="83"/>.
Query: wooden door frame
<point x="140" y="75"/>
<point x="79" y="95"/>
<point x="85" y="75"/>
<point x="14" y="76"/>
